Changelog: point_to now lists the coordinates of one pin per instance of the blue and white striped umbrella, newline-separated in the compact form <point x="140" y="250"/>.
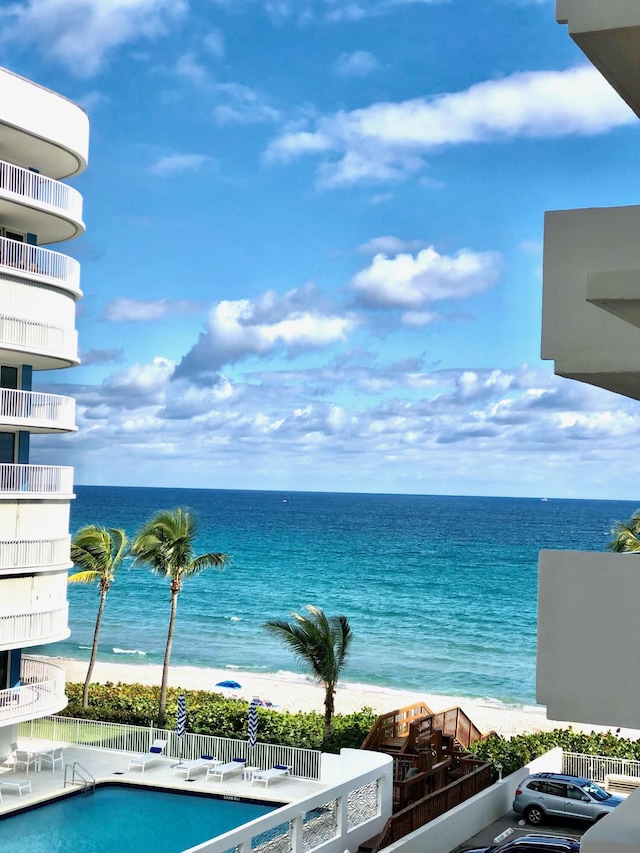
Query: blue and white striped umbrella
<point x="181" y="717"/>
<point x="253" y="721"/>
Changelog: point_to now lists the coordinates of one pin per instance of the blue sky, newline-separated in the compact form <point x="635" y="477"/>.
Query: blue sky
<point x="314" y="243"/>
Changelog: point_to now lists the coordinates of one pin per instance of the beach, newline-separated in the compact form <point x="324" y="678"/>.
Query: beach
<point x="295" y="692"/>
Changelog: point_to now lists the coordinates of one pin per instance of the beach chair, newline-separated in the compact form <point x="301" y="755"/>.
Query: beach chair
<point x="192" y="767"/>
<point x="220" y="771"/>
<point x="17" y="785"/>
<point x="278" y="771"/>
<point x="156" y="753"/>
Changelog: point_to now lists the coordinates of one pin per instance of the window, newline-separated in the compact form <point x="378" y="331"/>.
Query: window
<point x="574" y="793"/>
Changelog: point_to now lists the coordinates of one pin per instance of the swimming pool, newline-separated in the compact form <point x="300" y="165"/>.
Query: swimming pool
<point x="124" y="819"/>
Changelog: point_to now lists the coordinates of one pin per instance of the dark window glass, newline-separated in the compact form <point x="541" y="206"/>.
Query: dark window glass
<point x="7" y="441"/>
<point x="8" y="377"/>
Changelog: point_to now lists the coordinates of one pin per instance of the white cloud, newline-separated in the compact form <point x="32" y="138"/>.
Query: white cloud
<point x="387" y="141"/>
<point x="173" y="164"/>
<point x="214" y="42"/>
<point x="390" y="245"/>
<point x="261" y="327"/>
<point x="80" y="34"/>
<point x="244" y="104"/>
<point x="356" y="64"/>
<point x="413" y="282"/>
<point x="125" y="310"/>
<point x="188" y="67"/>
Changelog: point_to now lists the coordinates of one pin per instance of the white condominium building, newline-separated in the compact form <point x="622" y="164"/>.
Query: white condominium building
<point x="43" y="141"/>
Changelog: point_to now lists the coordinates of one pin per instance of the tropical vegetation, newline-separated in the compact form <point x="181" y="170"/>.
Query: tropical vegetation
<point x="626" y="535"/>
<point x="165" y="545"/>
<point x="98" y="552"/>
<point x="321" y="643"/>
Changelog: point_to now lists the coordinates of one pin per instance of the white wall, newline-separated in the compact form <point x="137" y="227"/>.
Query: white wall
<point x="588" y="637"/>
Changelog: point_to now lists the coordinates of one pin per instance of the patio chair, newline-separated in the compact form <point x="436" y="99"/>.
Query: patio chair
<point x="10" y="760"/>
<point x="156" y="753"/>
<point x="52" y="758"/>
<point x="25" y="759"/>
<point x="220" y="771"/>
<point x="278" y="771"/>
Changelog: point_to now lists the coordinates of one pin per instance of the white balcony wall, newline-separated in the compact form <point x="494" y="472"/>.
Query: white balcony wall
<point x="31" y="481"/>
<point x="41" y="128"/>
<point x="41" y="693"/>
<point x="33" y="610"/>
<point x="586" y="342"/>
<point x="588" y="637"/>
<point x="34" y="520"/>
<point x="37" y="412"/>
<point x="41" y="265"/>
<point x="39" y="321"/>
<point x="35" y="554"/>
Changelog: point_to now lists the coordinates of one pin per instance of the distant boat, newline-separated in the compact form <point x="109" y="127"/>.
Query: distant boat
<point x="544" y="499"/>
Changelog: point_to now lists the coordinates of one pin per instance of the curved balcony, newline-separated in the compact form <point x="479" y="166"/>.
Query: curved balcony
<point x="36" y="412"/>
<point x="31" y="202"/>
<point x="48" y="347"/>
<point x="42" y="553"/>
<point x="35" y="481"/>
<point x="41" y="692"/>
<point x="40" y="265"/>
<point x="31" y="629"/>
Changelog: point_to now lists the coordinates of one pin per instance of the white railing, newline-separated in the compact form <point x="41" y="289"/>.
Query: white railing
<point x="25" y="184"/>
<point x="341" y="817"/>
<point x="38" y="337"/>
<point x="37" y="480"/>
<point x="34" y="553"/>
<point x="39" y="263"/>
<point x="37" y="627"/>
<point x="305" y="763"/>
<point x="596" y="767"/>
<point x="41" y="691"/>
<point x="33" y="407"/>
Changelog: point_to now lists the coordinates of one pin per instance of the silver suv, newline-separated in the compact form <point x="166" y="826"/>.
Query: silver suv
<point x="557" y="795"/>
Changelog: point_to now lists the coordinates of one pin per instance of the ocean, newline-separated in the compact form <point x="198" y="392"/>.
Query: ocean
<point x="440" y="591"/>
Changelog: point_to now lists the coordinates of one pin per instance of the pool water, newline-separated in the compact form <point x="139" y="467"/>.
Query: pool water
<point x="124" y="819"/>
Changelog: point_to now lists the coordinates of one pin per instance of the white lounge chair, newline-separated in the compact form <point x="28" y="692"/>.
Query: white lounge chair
<point x="279" y="771"/>
<point x="156" y="753"/>
<point x="192" y="766"/>
<point x="18" y="785"/>
<point x="220" y="771"/>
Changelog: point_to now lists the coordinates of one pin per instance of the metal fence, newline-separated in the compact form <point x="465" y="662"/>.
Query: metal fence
<point x="304" y="763"/>
<point x="596" y="767"/>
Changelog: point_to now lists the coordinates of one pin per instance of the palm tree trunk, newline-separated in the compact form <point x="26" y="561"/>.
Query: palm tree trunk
<point x="94" y="649"/>
<point x="328" y="710"/>
<point x="167" y="659"/>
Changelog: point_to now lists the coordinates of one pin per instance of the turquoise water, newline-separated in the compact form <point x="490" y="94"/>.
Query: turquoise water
<point x="440" y="591"/>
<point x="124" y="820"/>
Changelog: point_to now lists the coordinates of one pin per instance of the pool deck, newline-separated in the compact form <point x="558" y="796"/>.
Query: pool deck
<point x="111" y="766"/>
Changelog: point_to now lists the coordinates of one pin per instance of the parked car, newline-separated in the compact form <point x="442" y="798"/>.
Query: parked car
<point x="533" y="844"/>
<point x="557" y="795"/>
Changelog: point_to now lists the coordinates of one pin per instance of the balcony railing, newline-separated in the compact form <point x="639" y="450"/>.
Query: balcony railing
<point x="27" y="629"/>
<point x="24" y="184"/>
<point x="37" y="263"/>
<point x="38" y="337"/>
<point x="34" y="553"/>
<point x="32" y="408"/>
<point x="35" y="481"/>
<point x="41" y="692"/>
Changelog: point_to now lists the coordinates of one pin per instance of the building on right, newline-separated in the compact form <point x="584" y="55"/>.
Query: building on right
<point x="588" y="665"/>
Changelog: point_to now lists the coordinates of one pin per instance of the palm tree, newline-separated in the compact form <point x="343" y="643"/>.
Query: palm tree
<point x="98" y="553"/>
<point x="626" y="537"/>
<point x="165" y="545"/>
<point x="322" y="643"/>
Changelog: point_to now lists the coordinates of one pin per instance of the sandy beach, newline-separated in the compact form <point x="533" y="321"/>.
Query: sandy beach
<point x="298" y="693"/>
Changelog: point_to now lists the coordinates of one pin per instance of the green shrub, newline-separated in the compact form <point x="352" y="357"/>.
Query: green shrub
<point x="213" y="714"/>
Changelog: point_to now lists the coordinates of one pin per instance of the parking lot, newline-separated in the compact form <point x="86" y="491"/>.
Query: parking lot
<point x="570" y="829"/>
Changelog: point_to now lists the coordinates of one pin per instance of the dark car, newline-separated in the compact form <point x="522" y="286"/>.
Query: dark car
<point x="557" y="795"/>
<point x="533" y="844"/>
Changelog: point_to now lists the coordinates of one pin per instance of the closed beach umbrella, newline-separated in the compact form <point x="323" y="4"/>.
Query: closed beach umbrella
<point x="181" y="719"/>
<point x="253" y="721"/>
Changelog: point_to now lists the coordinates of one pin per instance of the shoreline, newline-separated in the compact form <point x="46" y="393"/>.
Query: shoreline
<point x="293" y="692"/>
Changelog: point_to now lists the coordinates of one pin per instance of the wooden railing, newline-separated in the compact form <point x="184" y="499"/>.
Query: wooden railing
<point x="410" y="788"/>
<point x="433" y="805"/>
<point x="452" y="723"/>
<point x="395" y="724"/>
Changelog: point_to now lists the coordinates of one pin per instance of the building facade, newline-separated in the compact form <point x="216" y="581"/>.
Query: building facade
<point x="588" y="628"/>
<point x="43" y="141"/>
